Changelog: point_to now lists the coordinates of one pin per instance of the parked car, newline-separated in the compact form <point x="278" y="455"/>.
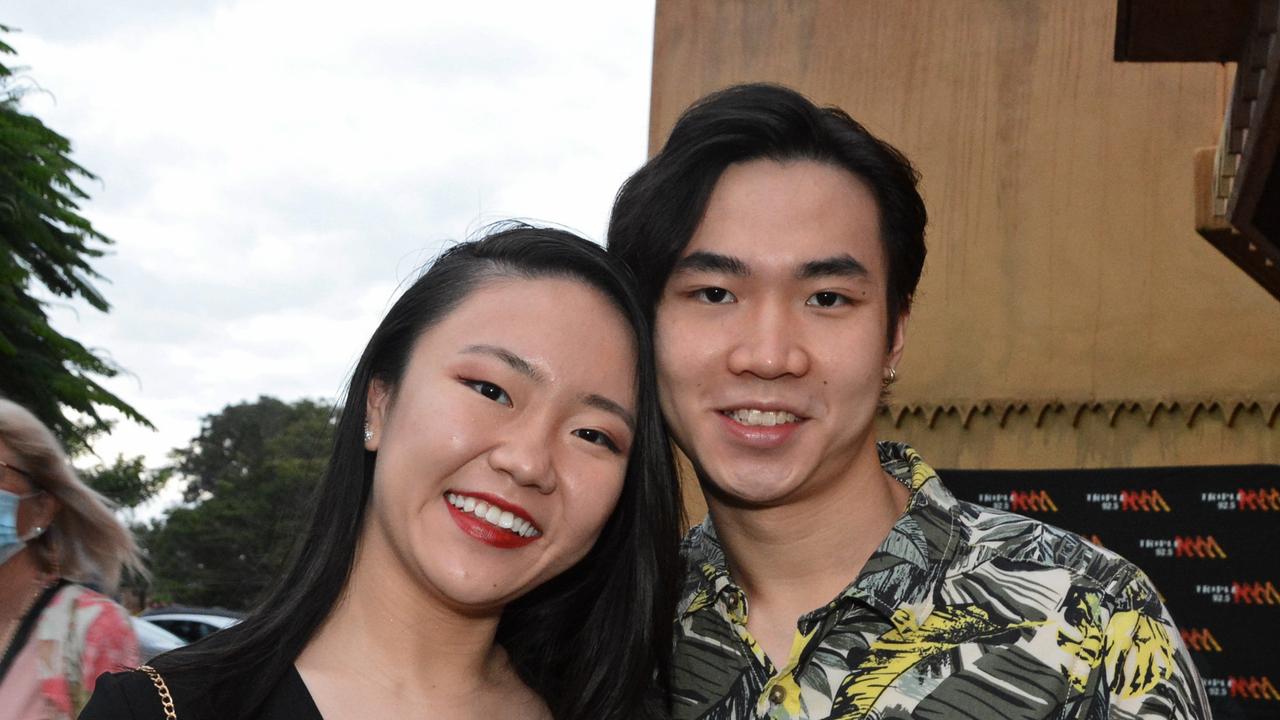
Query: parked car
<point x="191" y="624"/>
<point x="153" y="639"/>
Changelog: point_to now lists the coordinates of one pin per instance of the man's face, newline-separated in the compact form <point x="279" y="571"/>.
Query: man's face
<point x="771" y="332"/>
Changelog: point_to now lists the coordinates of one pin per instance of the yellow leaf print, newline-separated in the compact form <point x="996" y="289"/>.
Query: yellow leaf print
<point x="1139" y="651"/>
<point x="1082" y="638"/>
<point x="897" y="651"/>
<point x="701" y="600"/>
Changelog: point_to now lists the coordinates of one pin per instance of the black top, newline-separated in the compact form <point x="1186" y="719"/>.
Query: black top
<point x="132" y="696"/>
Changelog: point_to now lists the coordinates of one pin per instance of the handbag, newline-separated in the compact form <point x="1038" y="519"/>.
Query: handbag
<point x="166" y="700"/>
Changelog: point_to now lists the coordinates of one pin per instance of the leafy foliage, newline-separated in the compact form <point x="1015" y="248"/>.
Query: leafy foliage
<point x="127" y="482"/>
<point x="44" y="240"/>
<point x="250" y="473"/>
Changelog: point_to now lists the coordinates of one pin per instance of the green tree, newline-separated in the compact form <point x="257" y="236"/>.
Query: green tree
<point x="45" y="241"/>
<point x="127" y="481"/>
<point x="250" y="473"/>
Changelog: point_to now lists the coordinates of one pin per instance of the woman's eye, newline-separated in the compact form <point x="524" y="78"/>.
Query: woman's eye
<point x="826" y="299"/>
<point x="597" y="437"/>
<point x="489" y="390"/>
<point x="714" y="295"/>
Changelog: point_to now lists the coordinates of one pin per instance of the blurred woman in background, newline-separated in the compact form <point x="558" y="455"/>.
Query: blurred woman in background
<point x="57" y="536"/>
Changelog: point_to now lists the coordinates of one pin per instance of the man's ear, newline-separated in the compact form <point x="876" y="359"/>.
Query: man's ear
<point x="376" y="408"/>
<point x="899" y="343"/>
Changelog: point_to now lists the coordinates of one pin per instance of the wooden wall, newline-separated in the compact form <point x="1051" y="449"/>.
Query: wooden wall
<point x="1069" y="315"/>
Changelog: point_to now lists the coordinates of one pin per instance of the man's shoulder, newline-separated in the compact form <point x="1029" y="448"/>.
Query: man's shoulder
<point x="703" y="559"/>
<point x="1015" y="544"/>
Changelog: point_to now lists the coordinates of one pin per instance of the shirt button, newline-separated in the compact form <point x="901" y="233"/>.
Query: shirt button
<point x="777" y="694"/>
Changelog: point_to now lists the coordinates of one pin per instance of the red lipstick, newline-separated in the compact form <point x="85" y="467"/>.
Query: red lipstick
<point x="483" y="530"/>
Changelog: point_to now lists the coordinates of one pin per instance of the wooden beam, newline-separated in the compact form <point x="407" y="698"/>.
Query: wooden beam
<point x="1182" y="31"/>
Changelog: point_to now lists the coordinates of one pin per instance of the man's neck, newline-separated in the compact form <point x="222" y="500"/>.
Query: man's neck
<point x="799" y="555"/>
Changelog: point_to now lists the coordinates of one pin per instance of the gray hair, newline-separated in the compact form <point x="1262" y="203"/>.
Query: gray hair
<point x="86" y="542"/>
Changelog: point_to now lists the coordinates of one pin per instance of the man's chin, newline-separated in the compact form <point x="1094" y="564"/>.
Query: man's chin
<point x="747" y="492"/>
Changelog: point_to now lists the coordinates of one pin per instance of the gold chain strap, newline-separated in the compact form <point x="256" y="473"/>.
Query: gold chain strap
<point x="162" y="690"/>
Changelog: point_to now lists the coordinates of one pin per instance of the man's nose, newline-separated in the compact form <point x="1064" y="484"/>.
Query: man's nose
<point x="769" y="345"/>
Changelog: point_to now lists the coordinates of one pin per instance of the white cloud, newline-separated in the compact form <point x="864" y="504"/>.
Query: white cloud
<point x="272" y="170"/>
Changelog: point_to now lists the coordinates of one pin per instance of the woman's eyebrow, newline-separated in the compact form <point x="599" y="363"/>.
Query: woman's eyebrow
<point x="601" y="402"/>
<point x="517" y="363"/>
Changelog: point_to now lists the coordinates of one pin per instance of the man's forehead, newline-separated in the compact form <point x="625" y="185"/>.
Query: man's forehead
<point x="798" y="217"/>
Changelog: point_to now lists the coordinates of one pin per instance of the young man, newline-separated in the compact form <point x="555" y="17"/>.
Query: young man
<point x="780" y="245"/>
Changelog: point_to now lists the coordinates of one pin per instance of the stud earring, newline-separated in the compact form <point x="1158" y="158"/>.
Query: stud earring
<point x="368" y="434"/>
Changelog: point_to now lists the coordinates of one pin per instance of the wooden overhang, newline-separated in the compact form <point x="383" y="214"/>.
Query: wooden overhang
<point x="1237" y="182"/>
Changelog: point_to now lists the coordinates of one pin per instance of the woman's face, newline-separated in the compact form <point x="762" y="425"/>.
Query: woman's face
<point x="35" y="508"/>
<point x="502" y="451"/>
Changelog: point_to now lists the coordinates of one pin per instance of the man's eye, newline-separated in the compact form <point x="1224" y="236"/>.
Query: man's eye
<point x="714" y="295"/>
<point x="597" y="437"/>
<point x="489" y="390"/>
<point x="826" y="299"/>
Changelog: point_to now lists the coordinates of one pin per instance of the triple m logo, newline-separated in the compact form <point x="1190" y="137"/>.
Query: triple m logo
<point x="1188" y="546"/>
<point x="1200" y="640"/>
<point x="1031" y="501"/>
<point x="1143" y="501"/>
<point x="1129" y="501"/>
<point x="1025" y="501"/>
<point x="1265" y="499"/>
<point x="1241" y="593"/>
<point x="1252" y="688"/>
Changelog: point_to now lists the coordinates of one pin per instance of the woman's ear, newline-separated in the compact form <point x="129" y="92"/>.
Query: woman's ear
<point x="40" y="512"/>
<point x="377" y="405"/>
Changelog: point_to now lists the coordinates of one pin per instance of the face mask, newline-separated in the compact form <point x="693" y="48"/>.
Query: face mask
<point x="10" y="541"/>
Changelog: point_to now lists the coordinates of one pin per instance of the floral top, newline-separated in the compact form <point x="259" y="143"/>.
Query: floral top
<point x="80" y="635"/>
<point x="962" y="612"/>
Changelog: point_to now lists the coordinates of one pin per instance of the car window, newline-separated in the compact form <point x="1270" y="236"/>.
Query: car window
<point x="188" y="630"/>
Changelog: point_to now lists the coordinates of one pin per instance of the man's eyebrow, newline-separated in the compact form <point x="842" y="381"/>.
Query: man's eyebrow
<point x="838" y="266"/>
<point x="702" y="261"/>
<point x="601" y="402"/>
<point x="516" y="362"/>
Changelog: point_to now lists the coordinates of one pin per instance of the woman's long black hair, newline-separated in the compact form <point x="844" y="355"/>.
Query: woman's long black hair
<point x="594" y="641"/>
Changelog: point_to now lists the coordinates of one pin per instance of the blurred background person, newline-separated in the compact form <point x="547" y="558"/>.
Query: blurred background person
<point x="58" y="539"/>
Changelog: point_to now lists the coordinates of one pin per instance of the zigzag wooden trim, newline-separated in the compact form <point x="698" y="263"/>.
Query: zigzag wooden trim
<point x="1193" y="410"/>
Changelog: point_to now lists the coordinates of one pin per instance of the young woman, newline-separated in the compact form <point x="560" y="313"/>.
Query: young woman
<point x="56" y="535"/>
<point x="496" y="534"/>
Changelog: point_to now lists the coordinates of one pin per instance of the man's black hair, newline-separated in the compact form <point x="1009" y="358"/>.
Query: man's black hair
<point x="658" y="209"/>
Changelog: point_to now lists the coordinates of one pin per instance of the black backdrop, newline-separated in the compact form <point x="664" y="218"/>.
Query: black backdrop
<point x="1209" y="537"/>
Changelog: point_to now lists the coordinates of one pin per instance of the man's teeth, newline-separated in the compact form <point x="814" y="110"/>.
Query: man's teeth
<point x="493" y="515"/>
<point x="767" y="418"/>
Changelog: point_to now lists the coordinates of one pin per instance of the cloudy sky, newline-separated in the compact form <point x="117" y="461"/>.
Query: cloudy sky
<point x="272" y="170"/>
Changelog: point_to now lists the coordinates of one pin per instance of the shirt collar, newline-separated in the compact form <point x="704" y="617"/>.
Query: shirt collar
<point x="899" y="576"/>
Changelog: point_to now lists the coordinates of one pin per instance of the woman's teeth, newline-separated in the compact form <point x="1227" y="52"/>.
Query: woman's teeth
<point x="493" y="515"/>
<point x="767" y="418"/>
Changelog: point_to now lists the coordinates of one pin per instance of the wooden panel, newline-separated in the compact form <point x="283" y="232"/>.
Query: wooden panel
<point x="1064" y="263"/>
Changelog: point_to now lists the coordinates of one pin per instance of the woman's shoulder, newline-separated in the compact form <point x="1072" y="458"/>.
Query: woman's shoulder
<point x="141" y="695"/>
<point x="128" y="695"/>
<point x="87" y="607"/>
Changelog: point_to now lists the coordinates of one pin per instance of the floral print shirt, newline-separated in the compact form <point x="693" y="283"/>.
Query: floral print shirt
<point x="80" y="635"/>
<point x="962" y="612"/>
